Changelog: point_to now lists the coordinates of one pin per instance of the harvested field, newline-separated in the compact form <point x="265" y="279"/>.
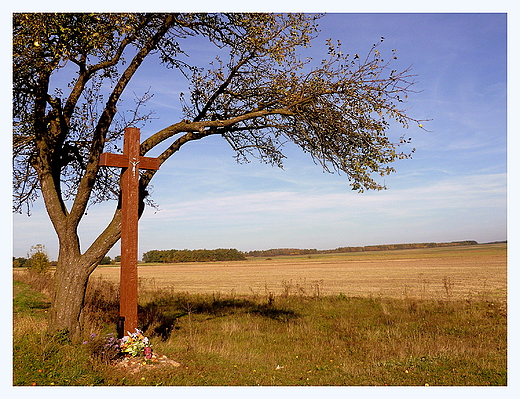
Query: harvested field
<point x="466" y="272"/>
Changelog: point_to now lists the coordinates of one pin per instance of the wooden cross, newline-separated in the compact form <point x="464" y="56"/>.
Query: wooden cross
<point x="131" y="161"/>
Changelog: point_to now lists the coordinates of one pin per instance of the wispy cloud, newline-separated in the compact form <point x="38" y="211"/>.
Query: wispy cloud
<point x="468" y="192"/>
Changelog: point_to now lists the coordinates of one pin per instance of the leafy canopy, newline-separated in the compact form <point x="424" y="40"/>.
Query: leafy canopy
<point x="258" y="95"/>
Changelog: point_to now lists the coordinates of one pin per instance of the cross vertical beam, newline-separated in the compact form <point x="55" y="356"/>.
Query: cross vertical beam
<point x="131" y="162"/>
<point x="129" y="233"/>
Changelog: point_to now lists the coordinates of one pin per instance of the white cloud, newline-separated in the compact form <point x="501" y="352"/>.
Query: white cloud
<point x="453" y="192"/>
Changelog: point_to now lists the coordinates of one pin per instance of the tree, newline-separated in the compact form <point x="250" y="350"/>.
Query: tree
<point x="19" y="262"/>
<point x="38" y="259"/>
<point x="106" y="261"/>
<point x="257" y="95"/>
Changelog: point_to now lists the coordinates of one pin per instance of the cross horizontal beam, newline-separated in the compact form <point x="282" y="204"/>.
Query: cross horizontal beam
<point x="123" y="161"/>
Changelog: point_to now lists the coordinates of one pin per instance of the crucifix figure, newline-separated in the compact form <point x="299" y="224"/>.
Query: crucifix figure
<point x="131" y="161"/>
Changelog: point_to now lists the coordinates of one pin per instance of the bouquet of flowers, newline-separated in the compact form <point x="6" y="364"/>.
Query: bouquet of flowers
<point x="135" y="344"/>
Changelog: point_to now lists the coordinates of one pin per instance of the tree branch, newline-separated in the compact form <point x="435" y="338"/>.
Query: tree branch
<point x="98" y="140"/>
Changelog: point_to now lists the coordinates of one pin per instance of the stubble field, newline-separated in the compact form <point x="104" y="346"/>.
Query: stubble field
<point x="465" y="272"/>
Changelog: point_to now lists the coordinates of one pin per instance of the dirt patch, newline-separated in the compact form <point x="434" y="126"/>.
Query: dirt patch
<point x="136" y="364"/>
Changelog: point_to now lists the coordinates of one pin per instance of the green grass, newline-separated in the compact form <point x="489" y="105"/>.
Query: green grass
<point x="289" y="340"/>
<point x="43" y="359"/>
<point x="40" y="358"/>
<point x="28" y="301"/>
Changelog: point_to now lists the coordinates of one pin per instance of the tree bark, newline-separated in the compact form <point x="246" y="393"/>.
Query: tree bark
<point x="72" y="275"/>
<point x="70" y="285"/>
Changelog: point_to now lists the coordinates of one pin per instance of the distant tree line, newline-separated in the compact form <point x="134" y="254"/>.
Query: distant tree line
<point x="24" y="262"/>
<point x="232" y="254"/>
<point x="282" y="252"/>
<point x="197" y="255"/>
<point x="39" y="260"/>
<point x="20" y="262"/>
<point x="390" y="247"/>
<point x="386" y="247"/>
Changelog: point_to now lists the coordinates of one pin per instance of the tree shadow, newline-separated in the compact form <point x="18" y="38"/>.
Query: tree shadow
<point x="271" y="312"/>
<point x="161" y="317"/>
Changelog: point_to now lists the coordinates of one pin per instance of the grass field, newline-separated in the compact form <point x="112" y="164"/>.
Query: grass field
<point x="434" y="317"/>
<point x="449" y="272"/>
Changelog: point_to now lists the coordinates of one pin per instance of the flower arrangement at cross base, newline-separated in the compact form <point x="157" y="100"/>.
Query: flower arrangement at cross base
<point x="110" y="348"/>
<point x="136" y="344"/>
<point x="126" y="353"/>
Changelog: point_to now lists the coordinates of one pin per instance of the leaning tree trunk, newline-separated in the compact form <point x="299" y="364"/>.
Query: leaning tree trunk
<point x="70" y="283"/>
<point x="72" y="274"/>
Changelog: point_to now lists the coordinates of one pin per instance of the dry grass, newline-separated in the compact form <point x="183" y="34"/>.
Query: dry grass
<point x="439" y="273"/>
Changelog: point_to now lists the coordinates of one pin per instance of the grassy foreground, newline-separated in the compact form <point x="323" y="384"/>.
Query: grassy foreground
<point x="271" y="340"/>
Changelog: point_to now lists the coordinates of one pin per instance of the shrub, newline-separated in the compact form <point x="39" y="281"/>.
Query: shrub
<point x="19" y="262"/>
<point x="38" y="259"/>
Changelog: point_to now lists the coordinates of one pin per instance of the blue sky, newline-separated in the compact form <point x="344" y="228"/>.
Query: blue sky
<point x="454" y="188"/>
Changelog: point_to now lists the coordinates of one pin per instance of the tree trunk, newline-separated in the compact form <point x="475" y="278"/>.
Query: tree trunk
<point x="72" y="274"/>
<point x="70" y="283"/>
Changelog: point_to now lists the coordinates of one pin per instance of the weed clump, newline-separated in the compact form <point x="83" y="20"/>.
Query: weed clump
<point x="104" y="350"/>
